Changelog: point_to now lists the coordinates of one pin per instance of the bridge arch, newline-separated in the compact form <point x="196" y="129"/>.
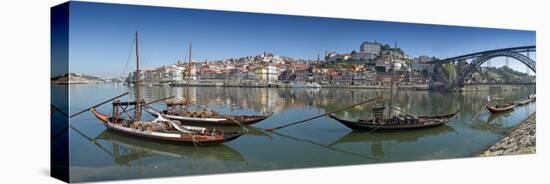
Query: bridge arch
<point x="476" y="63"/>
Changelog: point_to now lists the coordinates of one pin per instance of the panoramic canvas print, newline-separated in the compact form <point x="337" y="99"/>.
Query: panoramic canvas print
<point x="141" y="92"/>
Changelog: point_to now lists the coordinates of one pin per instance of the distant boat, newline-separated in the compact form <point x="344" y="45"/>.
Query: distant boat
<point x="533" y="97"/>
<point x="498" y="106"/>
<point x="305" y="85"/>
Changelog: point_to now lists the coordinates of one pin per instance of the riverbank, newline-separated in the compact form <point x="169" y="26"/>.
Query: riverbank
<point x="519" y="140"/>
<point x="256" y="84"/>
<point x="509" y="87"/>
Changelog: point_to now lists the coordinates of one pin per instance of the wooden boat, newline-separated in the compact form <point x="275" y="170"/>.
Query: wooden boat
<point x="533" y="97"/>
<point x="168" y="131"/>
<point x="500" y="107"/>
<point x="394" y="122"/>
<point x="207" y="117"/>
<point x="159" y="129"/>
<point x="397" y="122"/>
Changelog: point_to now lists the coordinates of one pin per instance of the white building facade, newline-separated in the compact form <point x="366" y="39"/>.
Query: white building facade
<point x="372" y="48"/>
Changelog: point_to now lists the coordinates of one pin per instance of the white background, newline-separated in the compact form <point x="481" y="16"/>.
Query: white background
<point x="24" y="93"/>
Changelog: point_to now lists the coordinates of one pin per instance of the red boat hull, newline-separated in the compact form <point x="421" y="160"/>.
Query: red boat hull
<point x="503" y="108"/>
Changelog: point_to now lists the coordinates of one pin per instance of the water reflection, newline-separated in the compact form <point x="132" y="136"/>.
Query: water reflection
<point x="126" y="150"/>
<point x="327" y="147"/>
<point x="378" y="142"/>
<point x="409" y="136"/>
<point x="502" y="121"/>
<point x="264" y="100"/>
<point x="320" y="142"/>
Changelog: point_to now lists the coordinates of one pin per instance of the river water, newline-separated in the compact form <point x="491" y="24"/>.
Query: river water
<point x="98" y="154"/>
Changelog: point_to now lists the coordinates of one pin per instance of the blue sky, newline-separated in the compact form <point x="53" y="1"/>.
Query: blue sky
<point x="101" y="36"/>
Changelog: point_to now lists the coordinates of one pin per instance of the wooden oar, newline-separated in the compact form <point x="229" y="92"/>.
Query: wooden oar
<point x="251" y="129"/>
<point x="104" y="102"/>
<point x="480" y="111"/>
<point x="94" y="141"/>
<point x="315" y="117"/>
<point x="323" y="146"/>
<point x="55" y="109"/>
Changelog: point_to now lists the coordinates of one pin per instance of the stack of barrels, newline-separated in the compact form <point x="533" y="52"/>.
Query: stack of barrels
<point x="204" y="113"/>
<point x="151" y="126"/>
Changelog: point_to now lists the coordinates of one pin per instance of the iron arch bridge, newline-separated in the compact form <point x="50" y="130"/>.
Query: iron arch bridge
<point x="481" y="57"/>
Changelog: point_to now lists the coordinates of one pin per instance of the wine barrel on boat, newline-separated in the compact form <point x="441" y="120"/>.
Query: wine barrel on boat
<point x="154" y="127"/>
<point x="206" y="117"/>
<point x="166" y="126"/>
<point x="140" y="125"/>
<point x="134" y="124"/>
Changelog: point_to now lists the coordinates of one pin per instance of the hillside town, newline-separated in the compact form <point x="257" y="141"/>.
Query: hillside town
<point x="374" y="64"/>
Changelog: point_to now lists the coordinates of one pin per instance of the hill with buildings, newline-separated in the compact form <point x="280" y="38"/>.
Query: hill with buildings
<point x="374" y="64"/>
<point x="75" y="78"/>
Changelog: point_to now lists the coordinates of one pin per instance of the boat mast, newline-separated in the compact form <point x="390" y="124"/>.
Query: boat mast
<point x="267" y="74"/>
<point x="137" y="112"/>
<point x="188" y="74"/>
<point x="391" y="79"/>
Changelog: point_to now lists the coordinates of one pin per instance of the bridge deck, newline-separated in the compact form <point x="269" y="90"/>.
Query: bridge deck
<point x="530" y="48"/>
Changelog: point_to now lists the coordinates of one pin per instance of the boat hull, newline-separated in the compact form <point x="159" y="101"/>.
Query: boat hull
<point x="423" y="122"/>
<point x="174" y="138"/>
<point x="217" y="121"/>
<point x="169" y="137"/>
<point x="494" y="109"/>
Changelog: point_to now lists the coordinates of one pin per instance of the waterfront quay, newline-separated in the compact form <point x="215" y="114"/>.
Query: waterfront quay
<point x="401" y="86"/>
<point x="263" y="84"/>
